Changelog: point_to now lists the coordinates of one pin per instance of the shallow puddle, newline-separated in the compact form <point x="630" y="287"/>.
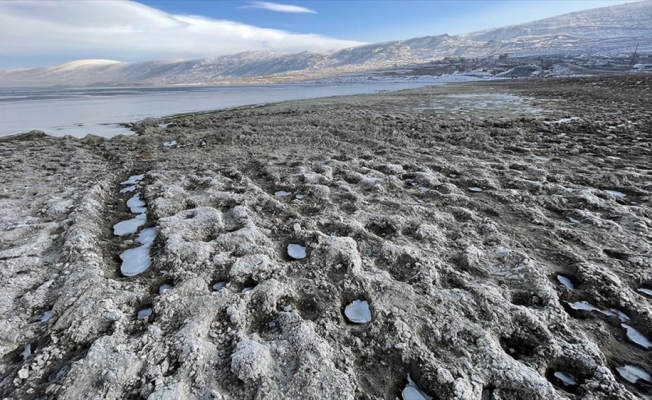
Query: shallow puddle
<point x="565" y="378"/>
<point x="565" y="281"/>
<point x="647" y="292"/>
<point x="133" y="179"/>
<point x="358" y="312"/>
<point x="27" y="352"/>
<point x="129" y="226"/>
<point x="583" y="306"/>
<point x="616" y="193"/>
<point x="412" y="392"/>
<point x="46" y="316"/>
<point x="164" y="288"/>
<point x="637" y="337"/>
<point x="282" y="193"/>
<point x="296" y="251"/>
<point x="219" y="285"/>
<point x="144" y="314"/>
<point x="128" y="189"/>
<point x="475" y="189"/>
<point x="135" y="261"/>
<point x="136" y="205"/>
<point x="632" y="374"/>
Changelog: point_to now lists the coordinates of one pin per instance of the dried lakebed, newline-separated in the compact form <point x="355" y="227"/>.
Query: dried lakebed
<point x="361" y="247"/>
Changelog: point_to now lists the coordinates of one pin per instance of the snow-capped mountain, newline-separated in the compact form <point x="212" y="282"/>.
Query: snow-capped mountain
<point x="601" y="31"/>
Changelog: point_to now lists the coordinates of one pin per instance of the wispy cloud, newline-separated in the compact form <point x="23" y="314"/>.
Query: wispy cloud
<point x="284" y="8"/>
<point x="130" y="31"/>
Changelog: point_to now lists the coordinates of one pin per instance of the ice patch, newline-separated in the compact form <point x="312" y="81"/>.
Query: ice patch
<point x="219" y="285"/>
<point x="136" y="205"/>
<point x="129" y="226"/>
<point x="135" y="261"/>
<point x="133" y="179"/>
<point x="565" y="281"/>
<point x="584" y="306"/>
<point x="637" y="337"/>
<point x="566" y="379"/>
<point x="296" y="251"/>
<point x="299" y="197"/>
<point x="616" y="193"/>
<point x="475" y="189"/>
<point x="646" y="291"/>
<point x="632" y="373"/>
<point x="144" y="314"/>
<point x="282" y="193"/>
<point x="27" y="352"/>
<point x="46" y="316"/>
<point x="358" y="312"/>
<point x="412" y="392"/>
<point x="128" y="189"/>
<point x="171" y="143"/>
<point x="147" y="236"/>
<point x="616" y="313"/>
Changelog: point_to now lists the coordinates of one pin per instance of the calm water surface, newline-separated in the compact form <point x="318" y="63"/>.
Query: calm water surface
<point x="81" y="111"/>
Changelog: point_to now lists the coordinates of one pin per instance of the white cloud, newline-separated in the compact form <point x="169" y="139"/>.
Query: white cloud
<point x="130" y="31"/>
<point x="285" y="8"/>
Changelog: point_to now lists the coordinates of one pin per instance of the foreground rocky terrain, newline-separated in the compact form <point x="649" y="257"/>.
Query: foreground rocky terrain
<point x="499" y="233"/>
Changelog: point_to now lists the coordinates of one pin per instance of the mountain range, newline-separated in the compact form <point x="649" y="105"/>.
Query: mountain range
<point x="603" y="31"/>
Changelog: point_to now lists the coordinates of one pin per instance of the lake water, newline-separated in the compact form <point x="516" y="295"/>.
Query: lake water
<point x="81" y="111"/>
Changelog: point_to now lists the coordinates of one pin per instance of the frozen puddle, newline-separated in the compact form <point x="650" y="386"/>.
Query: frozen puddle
<point x="566" y="379"/>
<point x="219" y="285"/>
<point x="412" y="392"/>
<point x="144" y="314"/>
<point x="637" y="337"/>
<point x="133" y="179"/>
<point x="358" y="312"/>
<point x="46" y="316"/>
<point x="583" y="306"/>
<point x="136" y="205"/>
<point x="632" y="374"/>
<point x="616" y="193"/>
<point x="129" y="226"/>
<point x="128" y="189"/>
<point x="282" y="193"/>
<point x="565" y="281"/>
<point x="27" y="352"/>
<point x="616" y="313"/>
<point x="646" y="291"/>
<point x="296" y="251"/>
<point x="138" y="260"/>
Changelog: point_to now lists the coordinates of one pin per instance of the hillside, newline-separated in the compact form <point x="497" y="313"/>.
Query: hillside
<point x="602" y="31"/>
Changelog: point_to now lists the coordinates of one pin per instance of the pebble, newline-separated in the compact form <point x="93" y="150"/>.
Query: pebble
<point x="358" y="312"/>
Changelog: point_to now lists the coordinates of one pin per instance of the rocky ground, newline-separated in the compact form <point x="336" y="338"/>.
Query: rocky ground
<point x="500" y="234"/>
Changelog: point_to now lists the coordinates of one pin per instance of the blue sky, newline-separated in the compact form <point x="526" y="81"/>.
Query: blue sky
<point x="373" y="21"/>
<point x="52" y="32"/>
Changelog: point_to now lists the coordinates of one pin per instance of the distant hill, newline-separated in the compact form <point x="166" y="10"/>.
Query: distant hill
<point x="602" y="31"/>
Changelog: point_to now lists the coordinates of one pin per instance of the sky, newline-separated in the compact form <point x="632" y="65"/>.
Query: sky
<point x="42" y="33"/>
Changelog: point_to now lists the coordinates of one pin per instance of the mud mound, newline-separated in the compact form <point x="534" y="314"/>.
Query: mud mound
<point x="497" y="255"/>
